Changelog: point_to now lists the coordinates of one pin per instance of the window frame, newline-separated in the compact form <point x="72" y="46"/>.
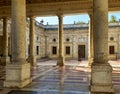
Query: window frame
<point x="54" y="50"/>
<point x="111" y="49"/>
<point x="67" y="52"/>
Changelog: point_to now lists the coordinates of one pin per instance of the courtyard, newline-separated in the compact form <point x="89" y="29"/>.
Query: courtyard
<point x="73" y="78"/>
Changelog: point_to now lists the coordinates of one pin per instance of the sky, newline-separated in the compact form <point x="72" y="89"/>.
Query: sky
<point x="72" y="18"/>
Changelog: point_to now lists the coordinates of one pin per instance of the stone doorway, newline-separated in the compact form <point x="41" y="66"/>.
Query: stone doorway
<point x="81" y="52"/>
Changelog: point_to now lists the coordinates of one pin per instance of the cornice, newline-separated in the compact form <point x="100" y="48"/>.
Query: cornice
<point x="51" y="7"/>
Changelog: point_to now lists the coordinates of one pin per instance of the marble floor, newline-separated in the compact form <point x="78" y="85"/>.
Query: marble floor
<point x="50" y="79"/>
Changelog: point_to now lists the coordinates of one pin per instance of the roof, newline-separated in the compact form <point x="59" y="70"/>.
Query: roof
<point x="76" y="26"/>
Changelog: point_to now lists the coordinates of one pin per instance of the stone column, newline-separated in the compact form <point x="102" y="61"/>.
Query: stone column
<point x="61" y="47"/>
<point x="18" y="71"/>
<point x="5" y="59"/>
<point x="90" y="57"/>
<point x="101" y="73"/>
<point x="32" y="58"/>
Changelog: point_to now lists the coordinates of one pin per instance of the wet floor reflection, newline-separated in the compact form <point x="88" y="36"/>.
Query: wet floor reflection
<point x="64" y="80"/>
<point x="61" y="74"/>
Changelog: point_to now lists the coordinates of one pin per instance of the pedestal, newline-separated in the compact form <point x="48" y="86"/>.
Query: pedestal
<point x="60" y="61"/>
<point x="101" y="78"/>
<point x="32" y="61"/>
<point x="17" y="75"/>
<point x="5" y="60"/>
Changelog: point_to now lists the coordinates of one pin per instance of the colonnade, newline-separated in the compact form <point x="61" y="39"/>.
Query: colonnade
<point x="18" y="71"/>
<point x="5" y="58"/>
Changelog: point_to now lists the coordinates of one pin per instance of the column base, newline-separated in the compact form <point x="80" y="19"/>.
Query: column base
<point x="32" y="61"/>
<point x="17" y="75"/>
<point x="60" y="61"/>
<point x="5" y="60"/>
<point x="101" y="78"/>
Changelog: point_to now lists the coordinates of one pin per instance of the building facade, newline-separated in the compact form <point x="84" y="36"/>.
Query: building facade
<point x="76" y="40"/>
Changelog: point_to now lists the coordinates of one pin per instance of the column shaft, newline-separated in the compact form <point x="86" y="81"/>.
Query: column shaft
<point x="18" y="31"/>
<point x="32" y="36"/>
<point x="5" y="59"/>
<point x="32" y="58"/>
<point x="100" y="31"/>
<point x="5" y="38"/>
<point x="61" y="47"/>
<point x="60" y="36"/>
<point x="91" y="49"/>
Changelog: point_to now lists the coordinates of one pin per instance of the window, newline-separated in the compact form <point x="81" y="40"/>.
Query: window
<point x="37" y="38"/>
<point x="28" y="49"/>
<point x="111" y="50"/>
<point x="54" y="50"/>
<point x="111" y="38"/>
<point x="68" y="50"/>
<point x="37" y="50"/>
<point x="54" y="40"/>
<point x="67" y="39"/>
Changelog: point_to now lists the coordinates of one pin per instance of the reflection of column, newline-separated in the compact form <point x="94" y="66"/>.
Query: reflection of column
<point x="18" y="72"/>
<point x="61" y="49"/>
<point x="61" y="78"/>
<point x="101" y="73"/>
<point x="90" y="40"/>
<point x="5" y="59"/>
<point x="32" y="58"/>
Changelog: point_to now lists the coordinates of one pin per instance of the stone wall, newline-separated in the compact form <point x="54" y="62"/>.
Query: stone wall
<point x="80" y="37"/>
<point x="73" y="37"/>
<point x="76" y="37"/>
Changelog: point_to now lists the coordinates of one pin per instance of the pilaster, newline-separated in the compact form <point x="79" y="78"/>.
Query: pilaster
<point x="46" y="46"/>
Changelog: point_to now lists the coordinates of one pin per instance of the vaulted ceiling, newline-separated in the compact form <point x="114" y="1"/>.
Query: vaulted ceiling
<point x="52" y="7"/>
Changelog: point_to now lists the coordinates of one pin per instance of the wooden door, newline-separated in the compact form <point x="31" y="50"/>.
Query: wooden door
<point x="81" y="52"/>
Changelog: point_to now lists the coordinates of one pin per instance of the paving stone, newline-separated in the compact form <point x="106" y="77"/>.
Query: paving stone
<point x="68" y="80"/>
<point x="45" y="92"/>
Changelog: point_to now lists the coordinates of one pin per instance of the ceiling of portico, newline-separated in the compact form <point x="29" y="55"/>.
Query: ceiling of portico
<point x="53" y="7"/>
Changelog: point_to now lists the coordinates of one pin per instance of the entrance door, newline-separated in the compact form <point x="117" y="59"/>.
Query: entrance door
<point x="81" y="52"/>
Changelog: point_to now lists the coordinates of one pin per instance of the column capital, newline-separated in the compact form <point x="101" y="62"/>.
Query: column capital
<point x="32" y="17"/>
<point x="60" y="15"/>
<point x="5" y="18"/>
<point x="90" y="14"/>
